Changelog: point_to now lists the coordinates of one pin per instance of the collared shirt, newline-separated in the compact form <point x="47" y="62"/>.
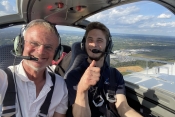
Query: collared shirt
<point x="30" y="104"/>
<point x="73" y="78"/>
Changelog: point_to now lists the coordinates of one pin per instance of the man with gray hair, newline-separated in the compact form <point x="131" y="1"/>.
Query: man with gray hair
<point x="38" y="93"/>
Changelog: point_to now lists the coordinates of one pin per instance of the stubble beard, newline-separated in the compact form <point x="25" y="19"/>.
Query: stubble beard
<point x="96" y="58"/>
<point x="33" y="67"/>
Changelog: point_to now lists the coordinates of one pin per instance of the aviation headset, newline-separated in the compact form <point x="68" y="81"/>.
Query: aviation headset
<point x="109" y="44"/>
<point x="19" y="41"/>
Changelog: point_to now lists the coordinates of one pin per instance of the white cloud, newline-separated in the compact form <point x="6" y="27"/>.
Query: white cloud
<point x="110" y="16"/>
<point x="157" y="25"/>
<point x="120" y="16"/>
<point x="164" y="16"/>
<point x="7" y="7"/>
<point x="134" y="19"/>
<point x="122" y="11"/>
<point x="6" y="4"/>
<point x="1" y="7"/>
<point x="97" y="17"/>
<point x="165" y="24"/>
<point x="161" y="24"/>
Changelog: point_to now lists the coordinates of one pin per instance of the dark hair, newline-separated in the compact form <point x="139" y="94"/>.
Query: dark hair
<point x="97" y="25"/>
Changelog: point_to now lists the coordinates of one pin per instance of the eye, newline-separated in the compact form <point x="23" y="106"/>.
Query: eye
<point x="89" y="40"/>
<point x="100" y="40"/>
<point x="34" y="44"/>
<point x="49" y="48"/>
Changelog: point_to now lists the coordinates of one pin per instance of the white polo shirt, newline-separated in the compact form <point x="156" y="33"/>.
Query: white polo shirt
<point x="30" y="105"/>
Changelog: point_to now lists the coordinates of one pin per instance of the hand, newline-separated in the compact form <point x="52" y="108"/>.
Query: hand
<point x="90" y="77"/>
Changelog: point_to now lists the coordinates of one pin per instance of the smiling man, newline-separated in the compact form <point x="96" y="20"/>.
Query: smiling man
<point x="38" y="92"/>
<point x="94" y="95"/>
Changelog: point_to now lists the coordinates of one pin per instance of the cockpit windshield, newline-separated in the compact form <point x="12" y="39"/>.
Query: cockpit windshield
<point x="143" y="33"/>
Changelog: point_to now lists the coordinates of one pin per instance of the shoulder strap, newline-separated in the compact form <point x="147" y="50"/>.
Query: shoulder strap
<point x="112" y="79"/>
<point x="111" y="91"/>
<point x="10" y="96"/>
<point x="109" y="109"/>
<point x="45" y="107"/>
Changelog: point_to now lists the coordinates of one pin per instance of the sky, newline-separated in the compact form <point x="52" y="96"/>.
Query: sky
<point x="143" y="17"/>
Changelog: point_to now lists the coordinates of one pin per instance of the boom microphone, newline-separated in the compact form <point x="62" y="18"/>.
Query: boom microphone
<point x="24" y="57"/>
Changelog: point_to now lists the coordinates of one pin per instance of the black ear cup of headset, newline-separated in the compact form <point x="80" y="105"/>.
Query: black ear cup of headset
<point x="83" y="44"/>
<point x="109" y="46"/>
<point x="19" y="45"/>
<point x="58" y="51"/>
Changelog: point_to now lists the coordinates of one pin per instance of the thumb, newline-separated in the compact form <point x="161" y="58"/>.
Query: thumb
<point x="93" y="63"/>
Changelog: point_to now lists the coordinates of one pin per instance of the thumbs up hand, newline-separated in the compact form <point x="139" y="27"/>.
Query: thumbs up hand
<point x="90" y="77"/>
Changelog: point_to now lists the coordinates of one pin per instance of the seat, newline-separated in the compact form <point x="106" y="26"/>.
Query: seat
<point x="77" y="57"/>
<point x="6" y="58"/>
<point x="66" y="48"/>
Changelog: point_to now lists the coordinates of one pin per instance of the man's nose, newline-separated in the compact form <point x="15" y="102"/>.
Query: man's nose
<point x="94" y="44"/>
<point x="41" y="49"/>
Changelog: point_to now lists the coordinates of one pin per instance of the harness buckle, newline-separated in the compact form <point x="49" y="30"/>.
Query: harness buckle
<point x="111" y="98"/>
<point x="41" y="114"/>
<point x="98" y="101"/>
<point x="8" y="111"/>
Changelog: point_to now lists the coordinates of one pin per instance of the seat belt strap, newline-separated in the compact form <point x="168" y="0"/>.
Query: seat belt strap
<point x="111" y="91"/>
<point x="110" y="96"/>
<point x="108" y="108"/>
<point x="112" y="111"/>
<point x="45" y="107"/>
<point x="8" y="105"/>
